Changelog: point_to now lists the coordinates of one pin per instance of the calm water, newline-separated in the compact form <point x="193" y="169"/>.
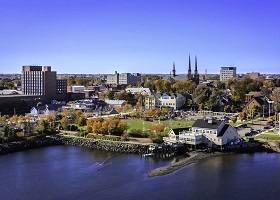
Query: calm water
<point x="69" y="172"/>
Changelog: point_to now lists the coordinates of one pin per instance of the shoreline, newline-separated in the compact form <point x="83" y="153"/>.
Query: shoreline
<point x="178" y="165"/>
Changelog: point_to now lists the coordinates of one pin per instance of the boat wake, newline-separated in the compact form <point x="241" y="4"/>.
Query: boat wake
<point x="97" y="166"/>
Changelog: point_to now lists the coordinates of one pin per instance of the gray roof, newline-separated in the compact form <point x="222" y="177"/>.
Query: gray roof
<point x="204" y="123"/>
<point x="178" y="130"/>
<point x="178" y="77"/>
<point x="221" y="133"/>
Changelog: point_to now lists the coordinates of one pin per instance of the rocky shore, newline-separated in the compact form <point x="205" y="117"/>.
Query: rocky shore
<point x="194" y="157"/>
<point x="120" y="147"/>
<point x="114" y="146"/>
<point x="28" y="144"/>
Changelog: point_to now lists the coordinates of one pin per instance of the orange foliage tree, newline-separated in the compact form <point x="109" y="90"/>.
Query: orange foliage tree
<point x="106" y="126"/>
<point x="157" y="127"/>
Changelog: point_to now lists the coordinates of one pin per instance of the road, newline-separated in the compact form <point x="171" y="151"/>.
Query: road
<point x="242" y="131"/>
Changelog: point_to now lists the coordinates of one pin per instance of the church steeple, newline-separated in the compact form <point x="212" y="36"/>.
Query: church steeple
<point x="195" y="70"/>
<point x="190" y="70"/>
<point x="174" y="70"/>
<point x="196" y="75"/>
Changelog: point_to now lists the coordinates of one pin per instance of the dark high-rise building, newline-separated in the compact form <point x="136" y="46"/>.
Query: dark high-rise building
<point x="38" y="80"/>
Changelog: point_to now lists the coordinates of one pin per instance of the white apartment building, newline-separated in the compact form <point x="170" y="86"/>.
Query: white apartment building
<point x="175" y="101"/>
<point x="227" y="72"/>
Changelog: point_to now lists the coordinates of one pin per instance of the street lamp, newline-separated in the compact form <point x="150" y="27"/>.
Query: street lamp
<point x="263" y="111"/>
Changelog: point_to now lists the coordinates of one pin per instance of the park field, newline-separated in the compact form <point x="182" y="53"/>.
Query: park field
<point x="269" y="136"/>
<point x="144" y="125"/>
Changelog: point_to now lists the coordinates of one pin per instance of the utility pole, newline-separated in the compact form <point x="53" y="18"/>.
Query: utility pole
<point x="279" y="123"/>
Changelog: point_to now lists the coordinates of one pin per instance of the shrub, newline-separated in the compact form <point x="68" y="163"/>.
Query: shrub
<point x="137" y="133"/>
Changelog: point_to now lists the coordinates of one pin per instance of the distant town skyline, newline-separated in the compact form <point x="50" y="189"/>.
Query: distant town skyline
<point x="100" y="37"/>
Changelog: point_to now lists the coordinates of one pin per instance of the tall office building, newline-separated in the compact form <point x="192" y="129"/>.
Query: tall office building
<point x="38" y="80"/>
<point x="227" y="72"/>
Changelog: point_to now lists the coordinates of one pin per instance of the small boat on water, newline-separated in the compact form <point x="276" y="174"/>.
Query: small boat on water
<point x="147" y="154"/>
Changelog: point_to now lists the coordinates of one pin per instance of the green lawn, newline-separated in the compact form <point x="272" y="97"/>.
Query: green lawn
<point x="139" y="124"/>
<point x="269" y="136"/>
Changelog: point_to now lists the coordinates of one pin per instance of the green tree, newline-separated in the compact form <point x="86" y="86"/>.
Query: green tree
<point x="110" y="94"/>
<point x="202" y="95"/>
<point x="184" y="86"/>
<point x="214" y="101"/>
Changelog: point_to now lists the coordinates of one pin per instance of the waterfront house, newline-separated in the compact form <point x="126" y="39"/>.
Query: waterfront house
<point x="206" y="132"/>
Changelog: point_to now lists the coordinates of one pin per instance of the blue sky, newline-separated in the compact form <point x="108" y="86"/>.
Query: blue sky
<point x="145" y="36"/>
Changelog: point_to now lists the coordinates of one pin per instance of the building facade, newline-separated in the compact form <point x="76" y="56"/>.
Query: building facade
<point x="40" y="80"/>
<point x="124" y="78"/>
<point x="167" y="100"/>
<point x="227" y="73"/>
<point x="61" y="86"/>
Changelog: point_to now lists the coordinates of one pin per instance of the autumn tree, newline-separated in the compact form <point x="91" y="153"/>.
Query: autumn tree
<point x="184" y="86"/>
<point x="231" y="81"/>
<point x="276" y="98"/>
<point x="162" y="85"/>
<point x="106" y="126"/>
<point x="233" y="119"/>
<point x="227" y="109"/>
<point x="150" y="112"/>
<point x="268" y="84"/>
<point x="242" y="115"/>
<point x="157" y="127"/>
<point x="64" y="122"/>
<point x="41" y="126"/>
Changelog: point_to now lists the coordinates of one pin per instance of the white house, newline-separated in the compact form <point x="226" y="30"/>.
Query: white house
<point x="175" y="101"/>
<point x="208" y="132"/>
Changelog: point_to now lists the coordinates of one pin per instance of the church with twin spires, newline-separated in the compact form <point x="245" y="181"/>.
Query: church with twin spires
<point x="190" y="76"/>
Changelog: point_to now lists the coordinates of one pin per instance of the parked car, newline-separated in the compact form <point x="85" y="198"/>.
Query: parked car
<point x="248" y="134"/>
<point x="267" y="127"/>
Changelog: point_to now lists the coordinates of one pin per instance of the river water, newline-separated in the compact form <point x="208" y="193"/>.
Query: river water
<point x="71" y="172"/>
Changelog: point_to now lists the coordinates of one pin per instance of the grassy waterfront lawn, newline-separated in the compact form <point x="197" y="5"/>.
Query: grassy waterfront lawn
<point x="269" y="136"/>
<point x="139" y="124"/>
